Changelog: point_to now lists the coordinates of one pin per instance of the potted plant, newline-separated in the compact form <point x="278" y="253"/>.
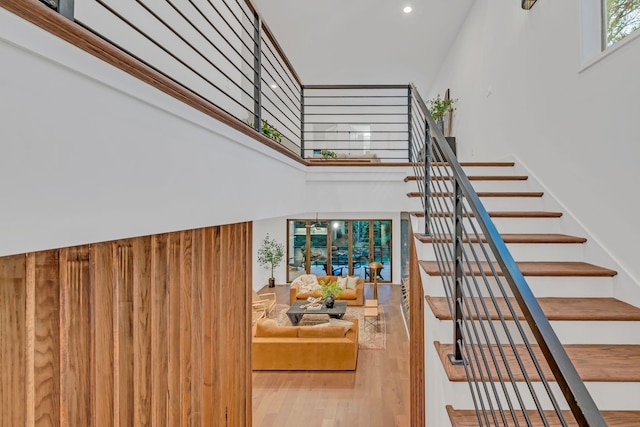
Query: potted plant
<point x="268" y="130"/>
<point x="270" y="255"/>
<point x="328" y="154"/>
<point x="330" y="291"/>
<point x="438" y="107"/>
<point x="271" y="132"/>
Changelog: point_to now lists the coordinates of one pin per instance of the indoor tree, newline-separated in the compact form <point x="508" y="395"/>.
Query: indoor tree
<point x="270" y="255"/>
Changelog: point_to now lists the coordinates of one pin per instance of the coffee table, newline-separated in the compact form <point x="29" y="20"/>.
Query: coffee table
<point x="295" y="312"/>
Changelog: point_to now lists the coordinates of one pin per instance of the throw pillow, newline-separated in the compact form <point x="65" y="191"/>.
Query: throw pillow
<point x="321" y="325"/>
<point x="328" y="332"/>
<point x="308" y="283"/>
<point x="342" y="323"/>
<point x="342" y="282"/>
<point x="352" y="281"/>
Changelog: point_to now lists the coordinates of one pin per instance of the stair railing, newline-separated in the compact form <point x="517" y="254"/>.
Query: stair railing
<point x="474" y="264"/>
<point x="221" y="52"/>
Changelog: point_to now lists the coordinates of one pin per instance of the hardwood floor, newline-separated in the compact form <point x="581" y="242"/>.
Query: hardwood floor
<point x="376" y="394"/>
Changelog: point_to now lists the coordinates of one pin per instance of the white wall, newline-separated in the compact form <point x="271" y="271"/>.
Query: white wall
<point x="91" y="154"/>
<point x="524" y="90"/>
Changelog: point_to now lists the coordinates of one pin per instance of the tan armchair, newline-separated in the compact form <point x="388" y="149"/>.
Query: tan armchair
<point x="263" y="302"/>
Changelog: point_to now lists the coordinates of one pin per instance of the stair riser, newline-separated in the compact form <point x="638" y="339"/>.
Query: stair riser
<point x="490" y="170"/>
<point x="521" y="252"/>
<point x="499" y="203"/>
<point x="481" y="170"/>
<point x="503" y="225"/>
<point x="488" y="185"/>
<point x="526" y="185"/>
<point x="511" y="225"/>
<point x="588" y="287"/>
<point x="524" y="225"/>
<point x="569" y="332"/>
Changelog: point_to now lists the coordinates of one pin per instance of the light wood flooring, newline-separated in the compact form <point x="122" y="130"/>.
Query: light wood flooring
<point x="375" y="395"/>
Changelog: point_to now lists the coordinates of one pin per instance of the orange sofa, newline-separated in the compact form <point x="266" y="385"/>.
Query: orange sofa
<point x="351" y="296"/>
<point x="303" y="348"/>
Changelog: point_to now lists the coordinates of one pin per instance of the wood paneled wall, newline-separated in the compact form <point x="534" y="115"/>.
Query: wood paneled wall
<point x="150" y="331"/>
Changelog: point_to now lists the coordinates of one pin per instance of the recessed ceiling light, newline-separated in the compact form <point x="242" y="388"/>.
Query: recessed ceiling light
<point x="407" y="9"/>
<point x="273" y="86"/>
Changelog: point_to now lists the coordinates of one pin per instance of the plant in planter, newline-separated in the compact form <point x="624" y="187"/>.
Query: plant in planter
<point x="271" y="132"/>
<point x="268" y="130"/>
<point x="270" y="255"/>
<point x="438" y="107"/>
<point x="328" y="154"/>
<point x="330" y="291"/>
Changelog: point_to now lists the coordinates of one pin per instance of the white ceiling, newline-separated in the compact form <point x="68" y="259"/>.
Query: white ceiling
<point x="364" y="41"/>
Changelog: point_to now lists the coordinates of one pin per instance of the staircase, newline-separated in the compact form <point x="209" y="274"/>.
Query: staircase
<point x="600" y="333"/>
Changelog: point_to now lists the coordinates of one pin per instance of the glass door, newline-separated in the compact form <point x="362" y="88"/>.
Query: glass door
<point x="382" y="248"/>
<point x="380" y="245"/>
<point x="297" y="249"/>
<point x="339" y="248"/>
<point x="318" y="248"/>
<point x="360" y="248"/>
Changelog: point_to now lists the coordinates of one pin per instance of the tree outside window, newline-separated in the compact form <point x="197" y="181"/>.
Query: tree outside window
<point x="620" y="18"/>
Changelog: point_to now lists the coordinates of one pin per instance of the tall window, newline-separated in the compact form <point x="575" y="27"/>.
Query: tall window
<point x="339" y="248"/>
<point x="619" y="19"/>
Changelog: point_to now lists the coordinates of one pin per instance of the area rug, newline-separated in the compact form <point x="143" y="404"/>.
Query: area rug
<point x="369" y="338"/>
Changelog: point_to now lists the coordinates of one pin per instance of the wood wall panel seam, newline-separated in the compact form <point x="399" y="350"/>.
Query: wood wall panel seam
<point x="30" y="339"/>
<point x="46" y="339"/>
<point x="64" y="344"/>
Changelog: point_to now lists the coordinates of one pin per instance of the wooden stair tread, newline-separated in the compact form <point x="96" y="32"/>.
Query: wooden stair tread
<point x="496" y="194"/>
<point x="516" y="238"/>
<point x="593" y="362"/>
<point x="534" y="268"/>
<point x="468" y="418"/>
<point x="480" y="178"/>
<point x="501" y="214"/>
<point x="488" y="164"/>
<point x="508" y="214"/>
<point x="555" y="308"/>
<point x="355" y="162"/>
<point x="474" y="178"/>
<point x="484" y="194"/>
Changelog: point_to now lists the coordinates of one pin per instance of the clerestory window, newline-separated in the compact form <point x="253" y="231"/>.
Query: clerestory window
<point x="619" y="19"/>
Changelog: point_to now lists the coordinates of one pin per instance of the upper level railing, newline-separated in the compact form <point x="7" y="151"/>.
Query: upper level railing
<point x="357" y="122"/>
<point x="517" y="369"/>
<point x="222" y="52"/>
